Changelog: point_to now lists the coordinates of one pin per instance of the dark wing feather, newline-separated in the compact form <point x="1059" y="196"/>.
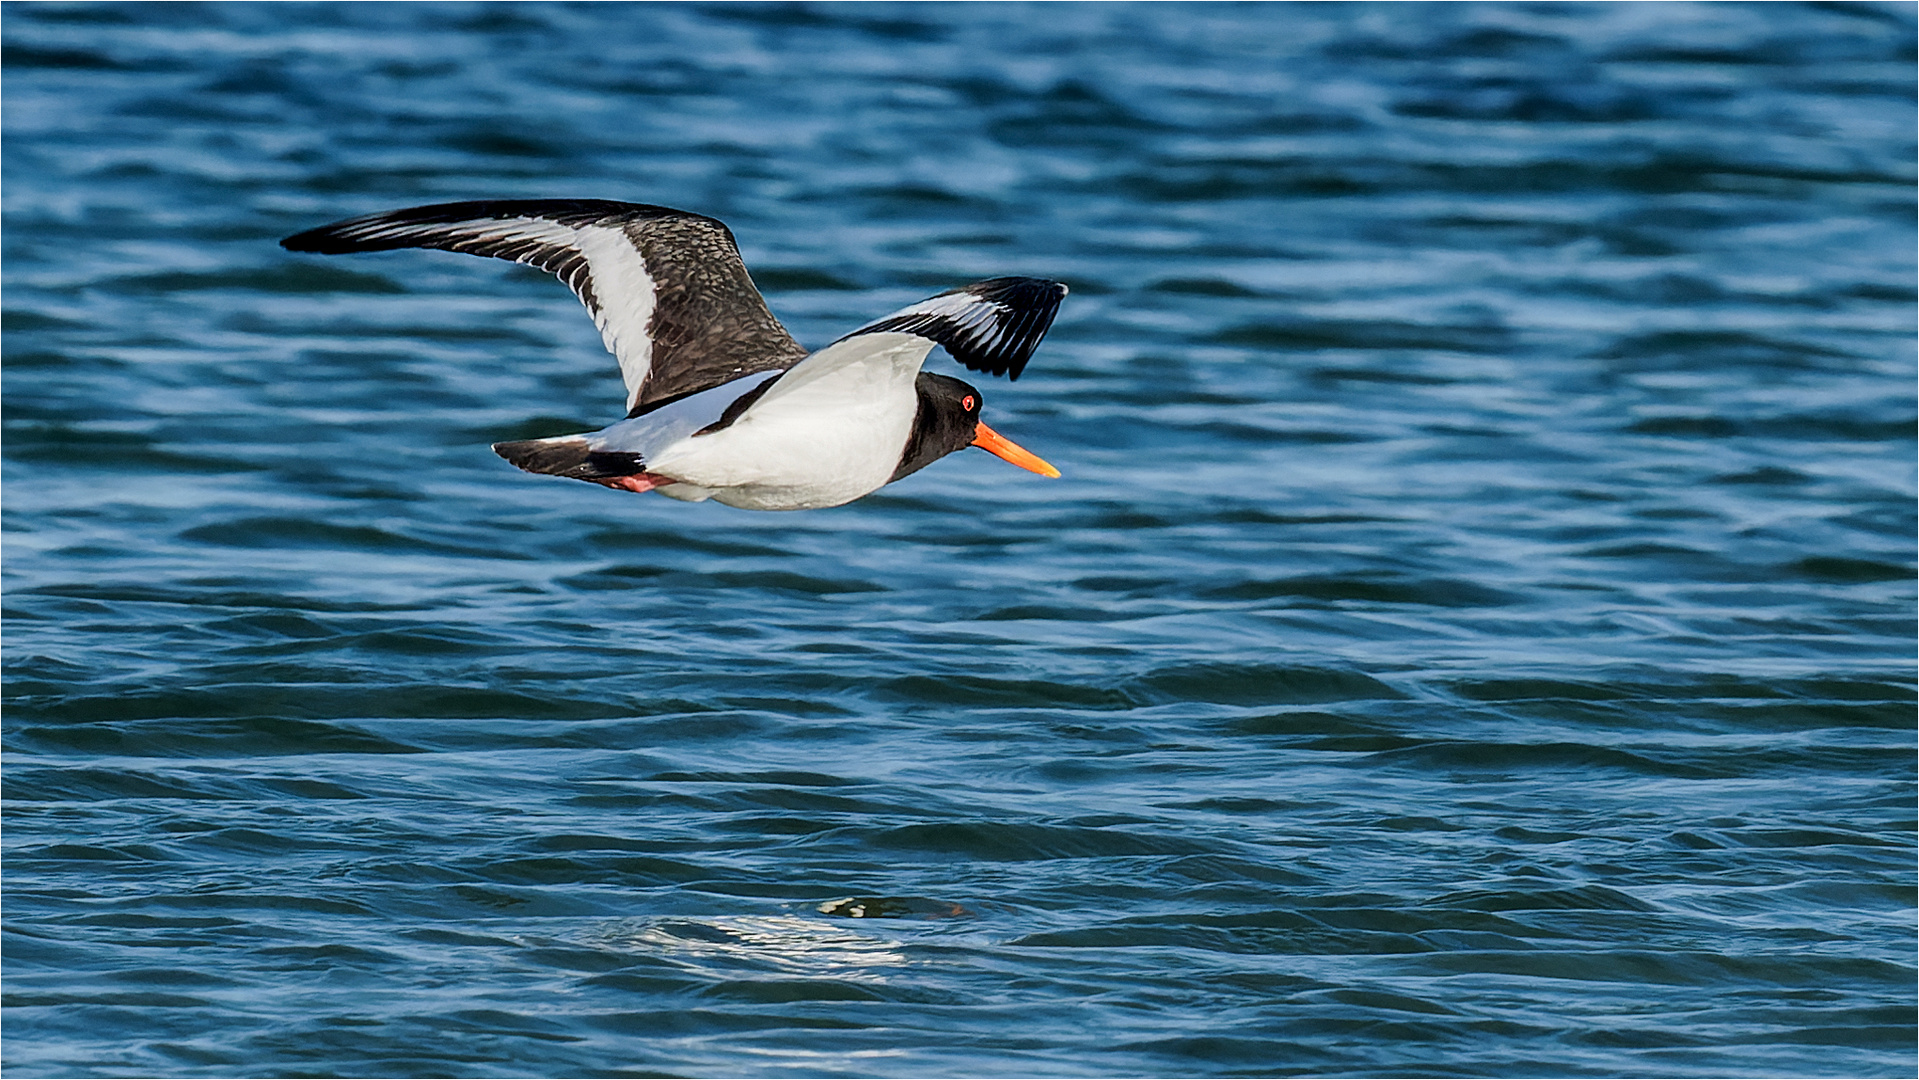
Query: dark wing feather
<point x="666" y="288"/>
<point x="991" y="326"/>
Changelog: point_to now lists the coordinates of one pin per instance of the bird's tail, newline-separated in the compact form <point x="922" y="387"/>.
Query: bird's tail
<point x="570" y="455"/>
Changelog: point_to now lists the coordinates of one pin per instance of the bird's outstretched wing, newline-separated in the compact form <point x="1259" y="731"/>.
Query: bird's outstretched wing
<point x="991" y="326"/>
<point x="666" y="288"/>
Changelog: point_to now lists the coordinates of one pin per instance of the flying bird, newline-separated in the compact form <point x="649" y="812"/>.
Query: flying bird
<point x="722" y="403"/>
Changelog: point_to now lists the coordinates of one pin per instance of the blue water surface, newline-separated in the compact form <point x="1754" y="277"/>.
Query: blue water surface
<point x="1473" y="634"/>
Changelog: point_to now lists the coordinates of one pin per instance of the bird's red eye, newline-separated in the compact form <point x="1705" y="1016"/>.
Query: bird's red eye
<point x="968" y="403"/>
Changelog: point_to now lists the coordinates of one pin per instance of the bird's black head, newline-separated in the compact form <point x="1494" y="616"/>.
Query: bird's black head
<point x="948" y="420"/>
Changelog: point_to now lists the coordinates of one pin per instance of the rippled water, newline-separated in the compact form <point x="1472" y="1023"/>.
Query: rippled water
<point x="1473" y="636"/>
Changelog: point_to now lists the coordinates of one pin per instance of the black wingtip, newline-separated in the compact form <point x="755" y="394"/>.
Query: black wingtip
<point x="1022" y="310"/>
<point x="346" y="237"/>
<point x="1030" y="305"/>
<point x="319" y="241"/>
<point x="1008" y="289"/>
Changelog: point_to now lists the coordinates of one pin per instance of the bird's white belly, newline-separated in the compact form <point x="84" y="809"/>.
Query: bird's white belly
<point x="806" y="454"/>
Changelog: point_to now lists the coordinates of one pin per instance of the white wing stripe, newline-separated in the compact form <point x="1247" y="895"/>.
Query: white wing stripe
<point x="626" y="296"/>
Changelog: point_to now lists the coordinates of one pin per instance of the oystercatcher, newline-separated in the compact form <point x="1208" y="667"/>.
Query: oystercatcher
<point x="722" y="403"/>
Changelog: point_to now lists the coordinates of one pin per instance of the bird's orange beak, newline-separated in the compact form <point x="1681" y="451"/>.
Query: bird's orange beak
<point x="1000" y="446"/>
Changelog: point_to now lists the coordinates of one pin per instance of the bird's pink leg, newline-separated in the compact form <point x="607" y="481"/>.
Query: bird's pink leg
<point x="638" y="482"/>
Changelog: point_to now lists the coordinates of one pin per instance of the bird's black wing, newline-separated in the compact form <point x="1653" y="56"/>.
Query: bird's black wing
<point x="991" y="326"/>
<point x="666" y="288"/>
